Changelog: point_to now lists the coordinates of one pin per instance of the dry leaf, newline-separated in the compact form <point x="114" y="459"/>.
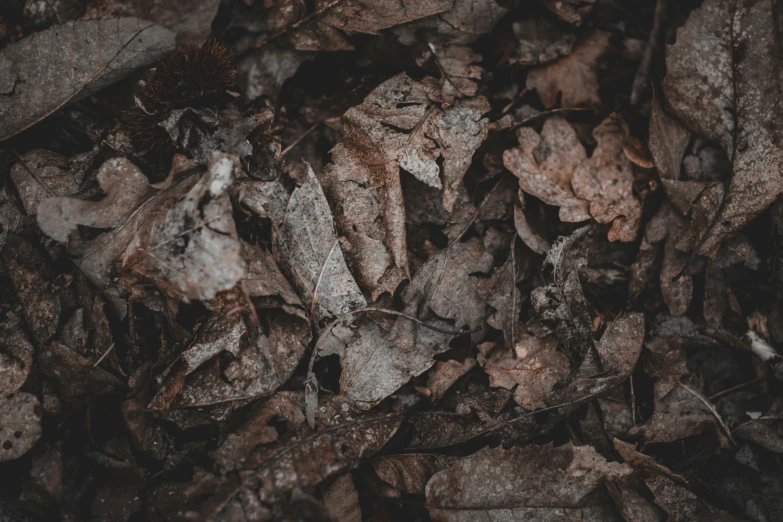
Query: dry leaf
<point x="50" y="168"/>
<point x="723" y="82"/>
<point x="192" y="21"/>
<point x="668" y="142"/>
<point x="573" y="76"/>
<point x="316" y="266"/>
<point x="20" y="424"/>
<point x="536" y="483"/>
<point x="571" y="11"/>
<point x="443" y="376"/>
<point x="409" y="473"/>
<point x="535" y="369"/>
<point x="545" y="165"/>
<point x="397" y="126"/>
<point x="342" y="500"/>
<point x="16" y="357"/>
<point x="126" y="187"/>
<point x="606" y="181"/>
<point x="44" y="77"/>
<point x="539" y="41"/>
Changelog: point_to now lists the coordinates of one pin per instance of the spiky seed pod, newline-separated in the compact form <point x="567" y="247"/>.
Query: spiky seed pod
<point x="191" y="76"/>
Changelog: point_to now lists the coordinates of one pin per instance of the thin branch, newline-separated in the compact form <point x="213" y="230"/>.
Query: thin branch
<point x="642" y="78"/>
<point x="99" y="361"/>
<point x="300" y="138"/>
<point x="712" y="409"/>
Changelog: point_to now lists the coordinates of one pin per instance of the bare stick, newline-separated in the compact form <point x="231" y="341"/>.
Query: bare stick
<point x="109" y="349"/>
<point x="712" y="409"/>
<point x="642" y="77"/>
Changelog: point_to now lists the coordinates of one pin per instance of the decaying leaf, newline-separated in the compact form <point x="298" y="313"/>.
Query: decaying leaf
<point x="396" y="127"/>
<point x="574" y="77"/>
<point x="126" y="187"/>
<point x="538" y="483"/>
<point x="16" y="357"/>
<point x="606" y="181"/>
<point x="545" y="165"/>
<point x="20" y="424"/>
<point x="668" y="142"/>
<point x="533" y="371"/>
<point x="190" y="21"/>
<point x="316" y="267"/>
<point x="723" y="82"/>
<point x="191" y="250"/>
<point x="39" y="77"/>
<point x="32" y="279"/>
<point x="540" y="42"/>
<point x="572" y="11"/>
<point x="409" y="473"/>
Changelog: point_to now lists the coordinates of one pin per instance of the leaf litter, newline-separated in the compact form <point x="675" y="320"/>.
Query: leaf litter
<point x="465" y="268"/>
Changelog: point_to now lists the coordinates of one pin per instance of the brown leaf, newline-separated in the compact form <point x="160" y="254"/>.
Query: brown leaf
<point x="668" y="142"/>
<point x="315" y="266"/>
<point x="339" y="448"/>
<point x="443" y="376"/>
<point x="573" y="76"/>
<point x="397" y="126"/>
<point x="723" y="82"/>
<point x="99" y="53"/>
<point x="342" y="500"/>
<point x="191" y="249"/>
<point x="409" y="473"/>
<point x="545" y="165"/>
<point x="571" y="11"/>
<point x="535" y="369"/>
<point x="192" y="21"/>
<point x="527" y="234"/>
<point x="20" y="424"/>
<point x="363" y="16"/>
<point x="32" y="281"/>
<point x="126" y="187"/>
<point x="539" y="41"/>
<point x="606" y="181"/>
<point x="529" y="483"/>
<point x="676" y="416"/>
<point x="16" y="357"/>
<point x="458" y="72"/>
<point x="53" y="169"/>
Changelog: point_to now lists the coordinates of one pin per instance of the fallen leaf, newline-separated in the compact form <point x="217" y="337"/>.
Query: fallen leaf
<point x="16" y="357"/>
<point x="571" y="11"/>
<point x="458" y="71"/>
<point x="45" y="78"/>
<point x="676" y="416"/>
<point x="126" y="187"/>
<point x="32" y="278"/>
<point x="397" y="126"/>
<point x="538" y="483"/>
<point x="20" y="424"/>
<point x="545" y="165"/>
<point x="527" y="234"/>
<point x="561" y="306"/>
<point x="539" y="41"/>
<point x="443" y="376"/>
<point x="668" y="142"/>
<point x="409" y="473"/>
<point x="606" y="181"/>
<point x="342" y="500"/>
<point x="191" y="249"/>
<point x="722" y="82"/>
<point x="52" y="169"/>
<point x="532" y="372"/>
<point x="573" y="76"/>
<point x="192" y="22"/>
<point x="316" y="266"/>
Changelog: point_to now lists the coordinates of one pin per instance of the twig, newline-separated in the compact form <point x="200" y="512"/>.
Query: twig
<point x="109" y="349"/>
<point x="712" y="409"/>
<point x="300" y="138"/>
<point x="513" y="297"/>
<point x="737" y="387"/>
<point x="285" y="30"/>
<point x="56" y="14"/>
<point x="546" y="114"/>
<point x="642" y="77"/>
